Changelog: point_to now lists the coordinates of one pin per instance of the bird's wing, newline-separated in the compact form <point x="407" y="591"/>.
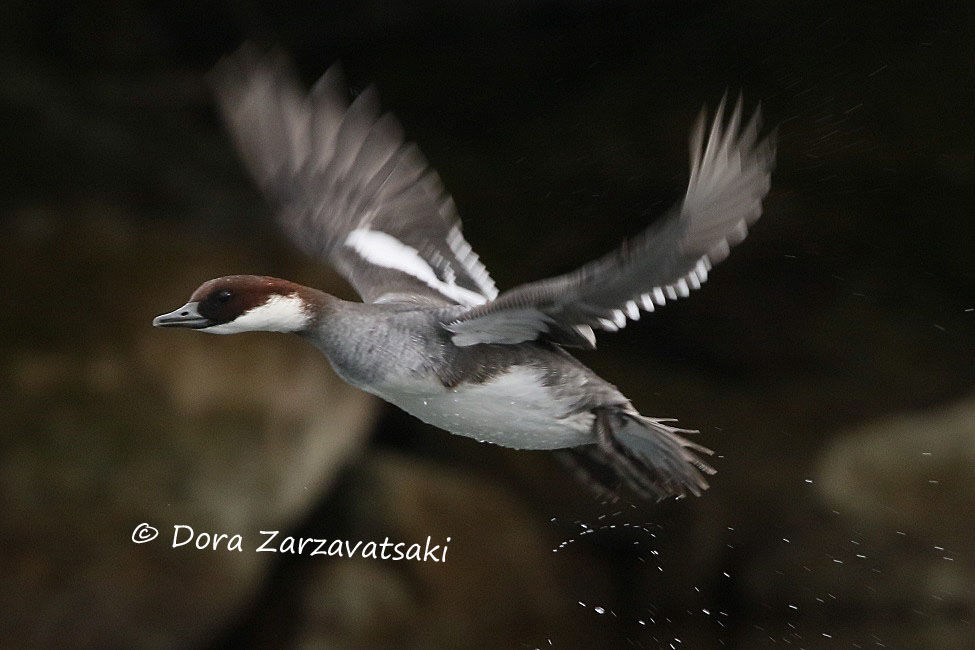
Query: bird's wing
<point x="730" y="175"/>
<point x="345" y="184"/>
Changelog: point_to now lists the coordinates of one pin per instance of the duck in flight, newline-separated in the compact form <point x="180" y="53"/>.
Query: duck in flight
<point x="432" y="334"/>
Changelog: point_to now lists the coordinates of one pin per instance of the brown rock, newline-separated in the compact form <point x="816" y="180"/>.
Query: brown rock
<point x="108" y="423"/>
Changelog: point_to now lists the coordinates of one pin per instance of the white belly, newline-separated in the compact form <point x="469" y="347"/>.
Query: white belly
<point x="513" y="410"/>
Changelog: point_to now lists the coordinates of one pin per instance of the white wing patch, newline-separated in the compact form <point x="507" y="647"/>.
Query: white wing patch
<point x="616" y="319"/>
<point x="388" y="252"/>
<point x="659" y="295"/>
<point x="526" y="323"/>
<point x="466" y="256"/>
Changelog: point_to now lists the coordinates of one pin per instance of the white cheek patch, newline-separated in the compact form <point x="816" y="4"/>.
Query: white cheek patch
<point x="278" y="314"/>
<point x="388" y="252"/>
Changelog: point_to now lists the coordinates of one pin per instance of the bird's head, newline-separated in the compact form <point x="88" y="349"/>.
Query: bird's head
<point x="246" y="303"/>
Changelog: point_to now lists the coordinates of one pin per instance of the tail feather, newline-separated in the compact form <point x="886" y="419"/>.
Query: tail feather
<point x="592" y="469"/>
<point x="668" y="463"/>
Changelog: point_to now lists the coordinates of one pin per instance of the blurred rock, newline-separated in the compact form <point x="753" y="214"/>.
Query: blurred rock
<point x="888" y="559"/>
<point x="500" y="586"/>
<point x="911" y="472"/>
<point x="906" y="483"/>
<point x="107" y="423"/>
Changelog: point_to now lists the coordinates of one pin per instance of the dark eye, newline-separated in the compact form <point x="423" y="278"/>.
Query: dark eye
<point x="224" y="295"/>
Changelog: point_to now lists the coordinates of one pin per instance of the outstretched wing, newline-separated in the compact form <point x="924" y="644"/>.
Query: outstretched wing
<point x="346" y="185"/>
<point x="730" y="175"/>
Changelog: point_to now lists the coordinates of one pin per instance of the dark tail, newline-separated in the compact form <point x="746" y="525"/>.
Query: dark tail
<point x="650" y="456"/>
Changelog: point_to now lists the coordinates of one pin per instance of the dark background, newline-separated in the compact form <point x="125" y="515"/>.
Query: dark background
<point x="829" y="361"/>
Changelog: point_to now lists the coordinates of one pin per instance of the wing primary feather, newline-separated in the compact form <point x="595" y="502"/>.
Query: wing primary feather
<point x="696" y="144"/>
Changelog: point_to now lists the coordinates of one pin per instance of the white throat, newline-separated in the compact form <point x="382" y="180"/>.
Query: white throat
<point x="278" y="314"/>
